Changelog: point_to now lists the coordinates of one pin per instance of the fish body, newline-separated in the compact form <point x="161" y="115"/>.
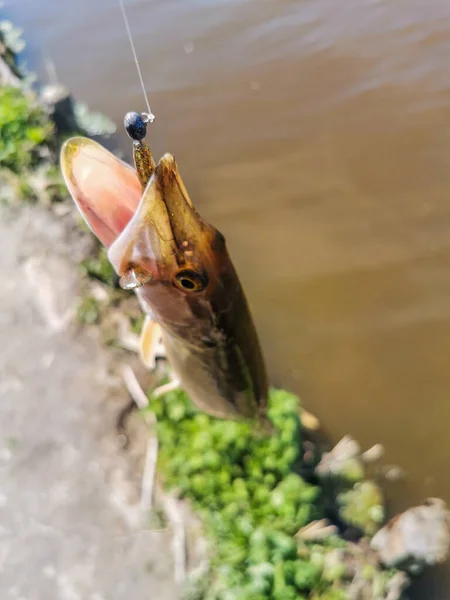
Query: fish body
<point x="182" y="274"/>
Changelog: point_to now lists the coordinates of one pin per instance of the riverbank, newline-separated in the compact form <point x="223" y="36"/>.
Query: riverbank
<point x="69" y="494"/>
<point x="330" y="566"/>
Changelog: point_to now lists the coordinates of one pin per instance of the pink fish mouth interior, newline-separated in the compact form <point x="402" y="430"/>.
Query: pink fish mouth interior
<point x="140" y="229"/>
<point x="106" y="190"/>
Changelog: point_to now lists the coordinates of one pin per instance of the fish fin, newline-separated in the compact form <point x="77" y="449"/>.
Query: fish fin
<point x="150" y="343"/>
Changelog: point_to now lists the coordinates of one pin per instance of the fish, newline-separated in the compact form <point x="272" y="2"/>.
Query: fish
<point x="179" y="267"/>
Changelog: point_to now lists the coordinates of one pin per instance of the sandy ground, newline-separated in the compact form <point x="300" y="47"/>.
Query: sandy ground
<point x="67" y="489"/>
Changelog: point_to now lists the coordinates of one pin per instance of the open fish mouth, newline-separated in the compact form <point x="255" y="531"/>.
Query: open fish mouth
<point x="156" y="231"/>
<point x="105" y="189"/>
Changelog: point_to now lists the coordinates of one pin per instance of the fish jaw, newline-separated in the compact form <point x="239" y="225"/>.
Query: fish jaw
<point x="133" y="225"/>
<point x="165" y="226"/>
<point x="149" y="235"/>
<point x="165" y="243"/>
<point x="145" y="245"/>
<point x="105" y="190"/>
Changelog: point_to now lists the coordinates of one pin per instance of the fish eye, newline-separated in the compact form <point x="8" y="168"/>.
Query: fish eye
<point x="190" y="281"/>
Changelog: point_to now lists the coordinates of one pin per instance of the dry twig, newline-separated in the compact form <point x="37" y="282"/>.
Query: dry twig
<point x="148" y="477"/>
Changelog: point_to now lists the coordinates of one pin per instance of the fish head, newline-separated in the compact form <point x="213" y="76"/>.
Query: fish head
<point x="156" y="240"/>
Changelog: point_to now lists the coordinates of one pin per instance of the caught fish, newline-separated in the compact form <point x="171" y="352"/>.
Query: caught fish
<point x="178" y="266"/>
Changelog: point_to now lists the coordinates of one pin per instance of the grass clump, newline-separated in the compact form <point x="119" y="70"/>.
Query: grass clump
<point x="24" y="128"/>
<point x="241" y="483"/>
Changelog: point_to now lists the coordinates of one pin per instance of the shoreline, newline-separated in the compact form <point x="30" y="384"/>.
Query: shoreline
<point x="102" y="298"/>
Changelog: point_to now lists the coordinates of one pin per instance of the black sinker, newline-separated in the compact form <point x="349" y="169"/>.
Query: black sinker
<point x="135" y="126"/>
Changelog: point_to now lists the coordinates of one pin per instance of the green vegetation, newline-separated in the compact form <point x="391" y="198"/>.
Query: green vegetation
<point x="88" y="311"/>
<point x="28" y="162"/>
<point x="241" y="482"/>
<point x="29" y="141"/>
<point x="362" y="507"/>
<point x="98" y="267"/>
<point x="24" y="129"/>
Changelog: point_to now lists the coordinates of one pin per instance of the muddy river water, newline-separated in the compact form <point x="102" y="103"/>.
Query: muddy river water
<point x="316" y="135"/>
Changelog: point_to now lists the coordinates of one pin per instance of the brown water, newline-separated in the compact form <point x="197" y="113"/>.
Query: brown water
<point x="316" y="135"/>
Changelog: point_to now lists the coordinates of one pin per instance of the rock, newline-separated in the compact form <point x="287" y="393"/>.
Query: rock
<point x="393" y="473"/>
<point x="61" y="108"/>
<point x="342" y="462"/>
<point x="7" y="74"/>
<point x="74" y="117"/>
<point x="418" y="537"/>
<point x="356" y="573"/>
<point x="373" y="454"/>
<point x="93" y="123"/>
<point x="10" y="44"/>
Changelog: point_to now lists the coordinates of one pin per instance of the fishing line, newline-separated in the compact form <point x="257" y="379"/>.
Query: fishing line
<point x="149" y="116"/>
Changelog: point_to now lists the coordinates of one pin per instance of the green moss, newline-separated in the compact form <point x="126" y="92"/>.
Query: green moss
<point x="24" y="128"/>
<point x="240" y="482"/>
